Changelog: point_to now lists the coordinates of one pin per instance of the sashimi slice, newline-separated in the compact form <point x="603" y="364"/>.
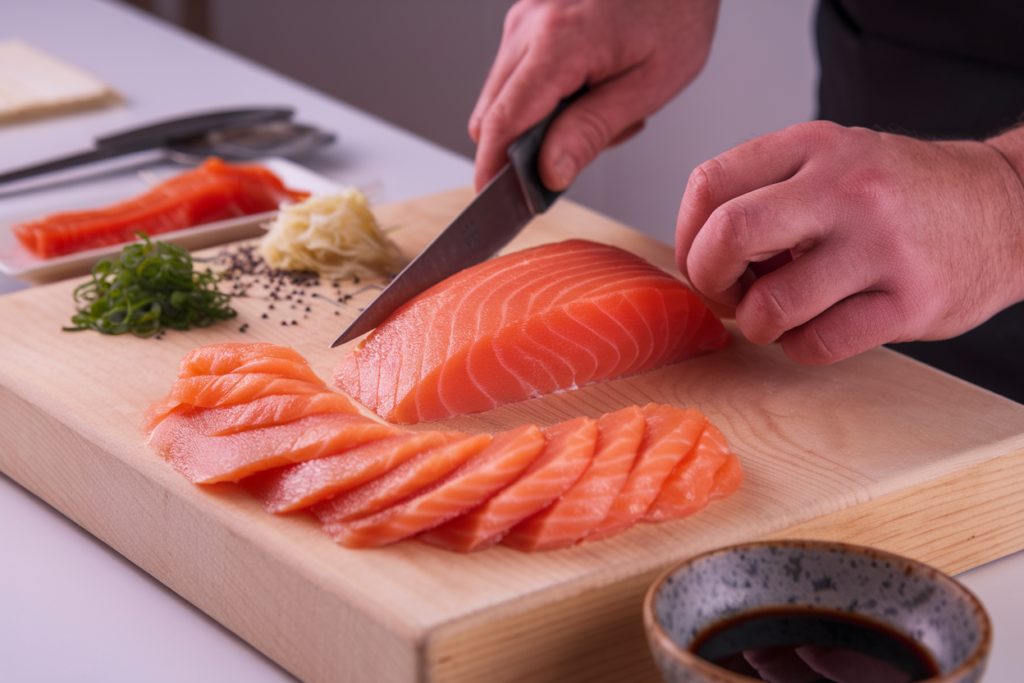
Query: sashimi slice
<point x="586" y="504"/>
<point x="240" y="357"/>
<point x="261" y="412"/>
<point x="481" y="477"/>
<point x="210" y="459"/>
<point x="525" y="324"/>
<point x="671" y="433"/>
<point x="568" y="452"/>
<point x="299" y="486"/>
<point x="217" y="391"/>
<point x="402" y="482"/>
<point x="708" y="472"/>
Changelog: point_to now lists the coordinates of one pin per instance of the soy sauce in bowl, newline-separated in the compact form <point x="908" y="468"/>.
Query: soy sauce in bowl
<point x="801" y="642"/>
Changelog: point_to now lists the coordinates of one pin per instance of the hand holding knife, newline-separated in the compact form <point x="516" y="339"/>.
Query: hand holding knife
<point x="497" y="214"/>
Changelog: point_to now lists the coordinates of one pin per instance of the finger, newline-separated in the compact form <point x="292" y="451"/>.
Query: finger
<point x="628" y="133"/>
<point x="853" y="325"/>
<point x="788" y="217"/>
<point x="755" y="164"/>
<point x="510" y="53"/>
<point x="800" y="291"/>
<point x="609" y="113"/>
<point x="526" y="97"/>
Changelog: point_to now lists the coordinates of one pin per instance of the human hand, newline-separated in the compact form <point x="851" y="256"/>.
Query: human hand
<point x="633" y="54"/>
<point x="834" y="240"/>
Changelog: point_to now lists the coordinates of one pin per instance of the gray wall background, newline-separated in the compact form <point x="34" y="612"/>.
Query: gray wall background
<point x="420" y="64"/>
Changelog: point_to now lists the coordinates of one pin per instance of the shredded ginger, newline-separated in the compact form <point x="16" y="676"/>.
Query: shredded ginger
<point x="335" y="235"/>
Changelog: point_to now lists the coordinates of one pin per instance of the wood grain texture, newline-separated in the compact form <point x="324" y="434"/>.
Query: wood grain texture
<point x="877" y="449"/>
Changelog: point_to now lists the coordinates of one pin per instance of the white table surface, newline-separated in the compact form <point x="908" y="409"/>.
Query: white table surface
<point x="72" y="609"/>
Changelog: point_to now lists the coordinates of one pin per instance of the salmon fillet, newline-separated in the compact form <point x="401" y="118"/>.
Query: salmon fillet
<point x="523" y="325"/>
<point x="214" y="191"/>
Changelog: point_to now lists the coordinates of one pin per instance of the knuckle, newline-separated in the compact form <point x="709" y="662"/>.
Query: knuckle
<point x="594" y="132"/>
<point x="729" y="226"/>
<point x="766" y="312"/>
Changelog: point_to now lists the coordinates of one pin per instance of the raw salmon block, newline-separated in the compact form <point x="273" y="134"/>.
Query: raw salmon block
<point x="526" y="324"/>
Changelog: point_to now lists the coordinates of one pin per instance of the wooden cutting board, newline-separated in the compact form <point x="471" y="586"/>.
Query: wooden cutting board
<point x="877" y="449"/>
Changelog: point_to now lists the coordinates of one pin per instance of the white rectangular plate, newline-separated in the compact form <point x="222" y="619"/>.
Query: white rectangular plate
<point x="19" y="263"/>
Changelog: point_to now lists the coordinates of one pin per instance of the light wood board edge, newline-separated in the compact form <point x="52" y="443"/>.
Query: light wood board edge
<point x="959" y="521"/>
<point x="231" y="579"/>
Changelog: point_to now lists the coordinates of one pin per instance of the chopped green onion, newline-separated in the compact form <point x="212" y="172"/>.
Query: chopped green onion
<point x="151" y="285"/>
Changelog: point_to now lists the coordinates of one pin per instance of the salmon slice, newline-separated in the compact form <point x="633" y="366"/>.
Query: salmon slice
<point x="481" y="477"/>
<point x="261" y="412"/>
<point x="526" y="324"/>
<point x="299" y="486"/>
<point x="568" y="452"/>
<point x="217" y="391"/>
<point x="214" y="191"/>
<point x="210" y="459"/>
<point x="402" y="482"/>
<point x="670" y="434"/>
<point x="708" y="472"/>
<point x="239" y="357"/>
<point x="586" y="504"/>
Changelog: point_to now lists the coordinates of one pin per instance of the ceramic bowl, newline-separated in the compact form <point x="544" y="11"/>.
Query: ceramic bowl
<point x="908" y="597"/>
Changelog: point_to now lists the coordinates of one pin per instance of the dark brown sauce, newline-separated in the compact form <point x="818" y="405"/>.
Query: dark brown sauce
<point x="773" y="633"/>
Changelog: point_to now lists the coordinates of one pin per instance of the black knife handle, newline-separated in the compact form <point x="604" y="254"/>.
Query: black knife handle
<point x="524" y="152"/>
<point x="162" y="132"/>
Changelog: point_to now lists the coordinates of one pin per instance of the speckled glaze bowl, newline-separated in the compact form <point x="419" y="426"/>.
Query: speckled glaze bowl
<point x="910" y="597"/>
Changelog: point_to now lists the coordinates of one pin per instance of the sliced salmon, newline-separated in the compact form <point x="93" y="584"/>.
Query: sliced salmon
<point x="209" y="459"/>
<point x="568" y="452"/>
<point x="261" y="412"/>
<point x="586" y="504"/>
<point x="241" y="357"/>
<point x="481" y="477"/>
<point x="710" y="471"/>
<point x="217" y="391"/>
<point x="299" y="486"/>
<point x="670" y="434"/>
<point x="404" y="481"/>
<point x="214" y="191"/>
<point x="523" y="325"/>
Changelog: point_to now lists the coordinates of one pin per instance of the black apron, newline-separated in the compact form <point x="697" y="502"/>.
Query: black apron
<point x="934" y="69"/>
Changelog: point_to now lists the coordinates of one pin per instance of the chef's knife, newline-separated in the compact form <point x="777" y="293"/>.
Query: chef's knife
<point x="151" y="136"/>
<point x="496" y="215"/>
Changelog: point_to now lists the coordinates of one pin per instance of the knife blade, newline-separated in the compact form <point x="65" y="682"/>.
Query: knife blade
<point x="497" y="214"/>
<point x="150" y="136"/>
